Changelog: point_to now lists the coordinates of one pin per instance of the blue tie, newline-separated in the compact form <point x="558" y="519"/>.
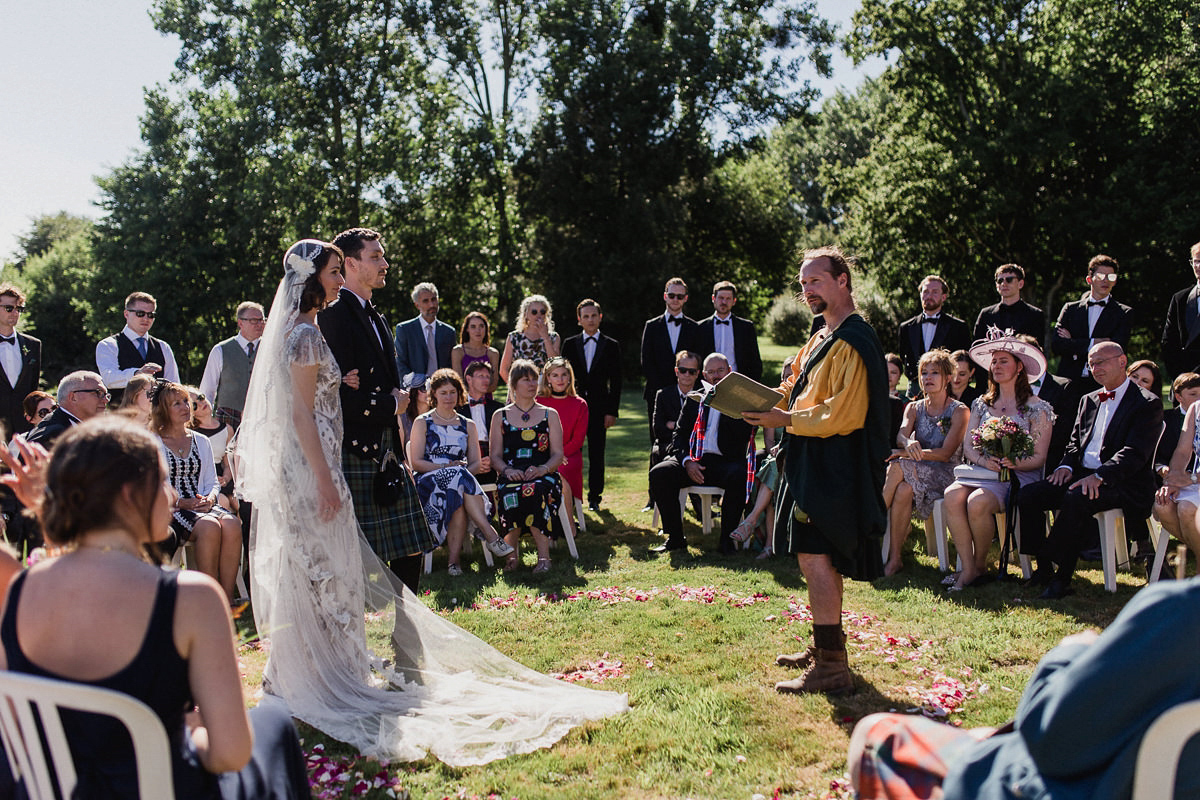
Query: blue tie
<point x="142" y="345"/>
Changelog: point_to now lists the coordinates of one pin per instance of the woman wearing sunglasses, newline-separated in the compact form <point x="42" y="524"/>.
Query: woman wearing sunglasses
<point x="534" y="339"/>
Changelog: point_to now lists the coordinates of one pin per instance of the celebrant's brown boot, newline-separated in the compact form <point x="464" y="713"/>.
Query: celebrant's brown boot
<point x="799" y="660"/>
<point x="829" y="674"/>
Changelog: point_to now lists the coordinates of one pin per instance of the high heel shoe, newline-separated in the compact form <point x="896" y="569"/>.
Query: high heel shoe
<point x="744" y="531"/>
<point x="499" y="547"/>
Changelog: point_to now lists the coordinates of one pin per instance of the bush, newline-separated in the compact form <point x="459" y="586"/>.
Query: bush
<point x="788" y="321"/>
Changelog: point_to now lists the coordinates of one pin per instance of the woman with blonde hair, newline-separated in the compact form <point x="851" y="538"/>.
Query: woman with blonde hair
<point x="534" y="339"/>
<point x="136" y="400"/>
<point x="557" y="391"/>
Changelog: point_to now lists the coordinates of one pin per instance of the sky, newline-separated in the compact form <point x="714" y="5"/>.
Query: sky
<point x="72" y="76"/>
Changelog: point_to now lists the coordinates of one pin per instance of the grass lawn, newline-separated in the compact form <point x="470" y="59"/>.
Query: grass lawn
<point x="692" y="638"/>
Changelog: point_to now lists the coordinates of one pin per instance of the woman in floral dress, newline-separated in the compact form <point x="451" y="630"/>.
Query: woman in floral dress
<point x="534" y="339"/>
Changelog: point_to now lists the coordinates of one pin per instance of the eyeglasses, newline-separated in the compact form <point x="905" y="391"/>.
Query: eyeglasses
<point x="1005" y="279"/>
<point x="42" y="413"/>
<point x="687" y="370"/>
<point x="9" y="308"/>
<point x="674" y="296"/>
<point x="98" y="392"/>
<point x="541" y="312"/>
<point x="137" y="312"/>
<point x="1093" y="364"/>
<point x="254" y="320"/>
<point x="1107" y="277"/>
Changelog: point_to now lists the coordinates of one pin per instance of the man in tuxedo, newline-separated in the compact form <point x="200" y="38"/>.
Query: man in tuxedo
<point x="669" y="402"/>
<point x="423" y="343"/>
<point x="733" y="337"/>
<point x="1108" y="464"/>
<point x="708" y="449"/>
<point x="1181" y="331"/>
<point x="933" y="327"/>
<point x="1094" y="318"/>
<point x="1011" y="312"/>
<point x="480" y="408"/>
<point x="227" y="371"/>
<point x="121" y="356"/>
<point x="21" y="360"/>
<point x="360" y="341"/>
<point x="596" y="360"/>
<point x="81" y="396"/>
<point x="1063" y="396"/>
<point x="662" y="337"/>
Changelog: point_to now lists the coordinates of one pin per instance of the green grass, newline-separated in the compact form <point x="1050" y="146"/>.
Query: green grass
<point x="705" y="720"/>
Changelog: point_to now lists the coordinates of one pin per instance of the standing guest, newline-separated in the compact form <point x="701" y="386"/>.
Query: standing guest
<point x="475" y="346"/>
<point x="423" y="343"/>
<point x="662" y="338"/>
<point x="134" y="350"/>
<point x="192" y="473"/>
<point x="227" y="371"/>
<point x="444" y="452"/>
<point x="708" y="449"/>
<point x="526" y="441"/>
<point x="932" y="328"/>
<point x="219" y="433"/>
<point x="361" y="343"/>
<point x="1181" y="330"/>
<point x="534" y="339"/>
<point x="930" y="443"/>
<point x="1186" y="391"/>
<point x="972" y="503"/>
<point x="1094" y="318"/>
<point x="136" y="399"/>
<point x="596" y="361"/>
<point x="1108" y="464"/>
<point x="81" y="396"/>
<point x="37" y="406"/>
<point x="20" y="361"/>
<point x="833" y="520"/>
<point x="479" y="408"/>
<point x="1011" y="313"/>
<point x="960" y="381"/>
<point x="557" y="391"/>
<point x="1145" y="373"/>
<point x="668" y="402"/>
<point x="732" y="337"/>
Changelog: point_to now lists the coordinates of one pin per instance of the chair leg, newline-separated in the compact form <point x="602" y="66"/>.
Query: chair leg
<point x="564" y="516"/>
<point x="706" y="512"/>
<point x="429" y="562"/>
<point x="887" y="539"/>
<point x="579" y="516"/>
<point x="1162" y="541"/>
<point x="1108" y="546"/>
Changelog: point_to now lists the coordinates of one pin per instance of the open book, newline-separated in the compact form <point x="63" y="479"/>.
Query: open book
<point x="737" y="393"/>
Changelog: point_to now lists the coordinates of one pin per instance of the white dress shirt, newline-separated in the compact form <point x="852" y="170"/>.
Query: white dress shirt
<point x="10" y="359"/>
<point x="673" y="330"/>
<point x="723" y="339"/>
<point x="1091" y="453"/>
<point x="216" y="363"/>
<point x="115" y="378"/>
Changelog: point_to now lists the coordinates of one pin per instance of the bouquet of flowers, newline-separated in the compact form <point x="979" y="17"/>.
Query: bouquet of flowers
<point x="1002" y="437"/>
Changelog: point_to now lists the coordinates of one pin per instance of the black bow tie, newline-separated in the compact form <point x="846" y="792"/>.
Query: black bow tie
<point x="591" y="339"/>
<point x="675" y="320"/>
<point x="9" y="339"/>
<point x="722" y="321"/>
<point x="930" y="320"/>
<point x="473" y="402"/>
<point x="1101" y="303"/>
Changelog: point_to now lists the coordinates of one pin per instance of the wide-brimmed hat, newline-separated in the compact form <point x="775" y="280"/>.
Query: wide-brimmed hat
<point x="998" y="341"/>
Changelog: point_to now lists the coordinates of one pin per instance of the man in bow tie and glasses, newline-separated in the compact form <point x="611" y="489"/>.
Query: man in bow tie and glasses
<point x="479" y="407"/>
<point x="227" y="372"/>
<point x="596" y="361"/>
<point x="1094" y="318"/>
<point x="20" y="360"/>
<point x="123" y="355"/>
<point x="932" y="328"/>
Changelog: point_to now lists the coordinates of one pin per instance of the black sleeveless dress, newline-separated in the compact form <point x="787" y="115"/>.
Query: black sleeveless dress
<point x="158" y="677"/>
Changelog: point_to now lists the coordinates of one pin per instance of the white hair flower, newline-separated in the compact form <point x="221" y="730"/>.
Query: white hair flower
<point x="300" y="265"/>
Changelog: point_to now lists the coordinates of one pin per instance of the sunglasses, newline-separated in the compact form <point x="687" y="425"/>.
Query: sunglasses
<point x="1106" y="278"/>
<point x="137" y="312"/>
<point x="42" y="413"/>
<point x="9" y="308"/>
<point x="1005" y="279"/>
<point x="687" y="370"/>
<point x="541" y="312"/>
<point x="674" y="296"/>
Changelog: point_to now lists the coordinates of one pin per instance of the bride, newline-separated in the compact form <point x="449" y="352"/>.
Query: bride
<point x="442" y="691"/>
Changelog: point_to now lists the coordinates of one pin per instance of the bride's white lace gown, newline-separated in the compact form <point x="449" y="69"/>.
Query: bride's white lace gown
<point x="434" y="689"/>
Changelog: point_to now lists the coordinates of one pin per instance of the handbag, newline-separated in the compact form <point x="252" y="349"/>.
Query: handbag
<point x="974" y="472"/>
<point x="389" y="480"/>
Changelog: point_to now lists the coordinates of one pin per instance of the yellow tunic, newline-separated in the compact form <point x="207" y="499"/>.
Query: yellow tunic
<point x="835" y="401"/>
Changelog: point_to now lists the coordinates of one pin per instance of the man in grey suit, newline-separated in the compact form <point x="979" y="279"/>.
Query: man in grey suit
<point x="423" y="343"/>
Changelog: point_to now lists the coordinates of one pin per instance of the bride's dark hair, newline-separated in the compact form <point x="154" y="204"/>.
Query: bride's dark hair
<point x="313" y="294"/>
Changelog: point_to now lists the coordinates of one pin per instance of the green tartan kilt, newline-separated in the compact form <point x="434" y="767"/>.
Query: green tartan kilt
<point x="392" y="531"/>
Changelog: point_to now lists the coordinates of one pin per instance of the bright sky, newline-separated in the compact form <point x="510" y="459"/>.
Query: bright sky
<point x="72" y="73"/>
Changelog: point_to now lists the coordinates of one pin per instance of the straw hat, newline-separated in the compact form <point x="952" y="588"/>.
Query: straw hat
<point x="1004" y="341"/>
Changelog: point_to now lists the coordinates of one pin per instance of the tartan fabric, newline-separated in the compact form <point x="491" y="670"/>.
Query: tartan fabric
<point x="696" y="444"/>
<point x="903" y="757"/>
<point x="392" y="531"/>
<point x="229" y="415"/>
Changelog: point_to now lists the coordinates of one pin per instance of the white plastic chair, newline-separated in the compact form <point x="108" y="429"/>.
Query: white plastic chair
<point x="43" y="766"/>
<point x="1114" y="548"/>
<point x="1160" y="751"/>
<point x="705" y="494"/>
<point x="1017" y="558"/>
<point x="468" y="540"/>
<point x="937" y="535"/>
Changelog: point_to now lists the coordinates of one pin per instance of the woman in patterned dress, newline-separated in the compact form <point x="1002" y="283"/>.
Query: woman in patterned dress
<point x="930" y="442"/>
<point x="197" y="517"/>
<point x="526" y="445"/>
<point x="444" y="452"/>
<point x="534" y="339"/>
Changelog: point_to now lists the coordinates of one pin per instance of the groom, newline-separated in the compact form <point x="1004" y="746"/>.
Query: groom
<point x="361" y="340"/>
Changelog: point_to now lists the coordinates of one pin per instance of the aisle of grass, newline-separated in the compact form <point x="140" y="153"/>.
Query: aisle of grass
<point x="692" y="638"/>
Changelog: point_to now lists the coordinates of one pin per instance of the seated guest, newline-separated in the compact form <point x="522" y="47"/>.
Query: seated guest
<point x="708" y="449"/>
<point x="1145" y="373"/>
<point x="971" y="503"/>
<point x="160" y="636"/>
<point x="557" y="391"/>
<point x="218" y="432"/>
<point x="1078" y="726"/>
<point x="960" y="381"/>
<point x="1108" y="464"/>
<point x="896" y="401"/>
<point x="1063" y="396"/>
<point x="192" y="472"/>
<point x="1180" y="490"/>
<point x="930" y="443"/>
<point x="1186" y="391"/>
<point x="534" y="339"/>
<point x="475" y="348"/>
<point x="479" y="408"/>
<point x="135" y="402"/>
<point x="418" y="404"/>
<point x="37" y="405"/>
<point x="669" y="402"/>
<point x="444" y="452"/>
<point x="767" y="477"/>
<point x="526" y="441"/>
<point x="81" y="396"/>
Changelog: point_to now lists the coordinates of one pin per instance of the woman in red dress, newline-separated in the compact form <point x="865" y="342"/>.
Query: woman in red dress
<point x="557" y="390"/>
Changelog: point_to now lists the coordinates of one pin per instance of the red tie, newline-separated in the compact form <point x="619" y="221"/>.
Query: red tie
<point x="1106" y="396"/>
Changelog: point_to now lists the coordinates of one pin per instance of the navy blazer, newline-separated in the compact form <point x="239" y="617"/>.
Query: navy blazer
<point x="658" y="359"/>
<point x="412" y="357"/>
<point x="745" y="344"/>
<point x="601" y="386"/>
<point x="950" y="332"/>
<point x="1113" y="323"/>
<point x="12" y="410"/>
<point x="370" y="409"/>
<point x="733" y="435"/>
<point x="1181" y="333"/>
<point x="1063" y="397"/>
